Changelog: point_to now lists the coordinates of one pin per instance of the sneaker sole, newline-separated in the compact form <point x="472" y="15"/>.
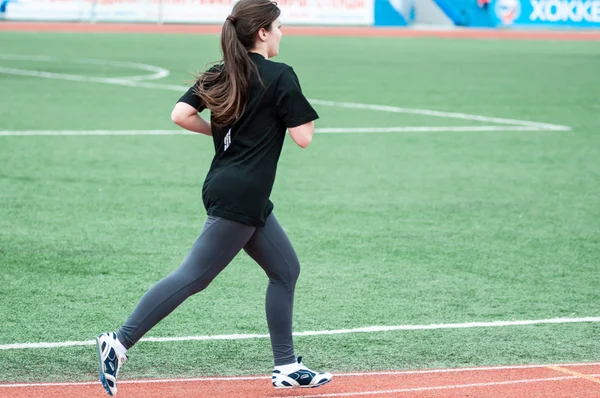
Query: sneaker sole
<point x="313" y="386"/>
<point x="102" y="377"/>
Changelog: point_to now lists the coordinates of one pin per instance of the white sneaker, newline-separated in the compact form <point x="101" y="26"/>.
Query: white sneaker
<point x="302" y="377"/>
<point x="110" y="361"/>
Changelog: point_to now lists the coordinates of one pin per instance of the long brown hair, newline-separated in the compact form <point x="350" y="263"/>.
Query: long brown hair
<point x="224" y="89"/>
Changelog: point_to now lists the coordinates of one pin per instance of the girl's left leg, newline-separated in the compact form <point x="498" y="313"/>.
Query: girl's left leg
<point x="272" y="250"/>
<point x="270" y="247"/>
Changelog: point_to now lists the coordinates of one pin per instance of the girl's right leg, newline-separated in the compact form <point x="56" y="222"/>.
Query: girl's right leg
<point x="220" y="241"/>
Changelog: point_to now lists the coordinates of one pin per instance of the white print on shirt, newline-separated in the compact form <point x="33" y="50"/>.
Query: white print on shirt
<point x="227" y="140"/>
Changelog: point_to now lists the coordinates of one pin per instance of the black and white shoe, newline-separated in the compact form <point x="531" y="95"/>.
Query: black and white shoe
<point x="110" y="361"/>
<point x="301" y="377"/>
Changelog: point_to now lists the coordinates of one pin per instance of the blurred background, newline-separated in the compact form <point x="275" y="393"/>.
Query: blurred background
<point x="454" y="177"/>
<point x="448" y="13"/>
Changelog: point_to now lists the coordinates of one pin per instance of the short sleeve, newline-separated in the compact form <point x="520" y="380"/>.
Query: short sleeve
<point x="192" y="99"/>
<point x="292" y="106"/>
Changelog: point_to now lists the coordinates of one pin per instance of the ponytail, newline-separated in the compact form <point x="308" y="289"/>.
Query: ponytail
<point x="224" y="89"/>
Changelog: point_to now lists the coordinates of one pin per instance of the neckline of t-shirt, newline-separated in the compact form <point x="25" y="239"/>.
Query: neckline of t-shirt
<point x="251" y="53"/>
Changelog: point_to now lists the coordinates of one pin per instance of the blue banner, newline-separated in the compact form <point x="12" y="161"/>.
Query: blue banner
<point x="547" y="13"/>
<point x="394" y="12"/>
<point x="3" y="4"/>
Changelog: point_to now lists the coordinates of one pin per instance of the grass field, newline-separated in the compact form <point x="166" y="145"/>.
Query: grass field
<point x="397" y="228"/>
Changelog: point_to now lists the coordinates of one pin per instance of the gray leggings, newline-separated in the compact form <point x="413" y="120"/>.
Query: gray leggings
<point x="220" y="241"/>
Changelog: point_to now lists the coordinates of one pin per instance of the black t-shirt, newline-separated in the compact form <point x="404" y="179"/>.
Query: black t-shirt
<point x="242" y="173"/>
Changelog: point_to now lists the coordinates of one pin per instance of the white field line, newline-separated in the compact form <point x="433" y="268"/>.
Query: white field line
<point x="120" y="81"/>
<point x="440" y="129"/>
<point x="157" y="72"/>
<point x="94" y="132"/>
<point x="368" y="329"/>
<point x="434" y="388"/>
<point x="408" y="129"/>
<point x="123" y="81"/>
<point x="359" y="374"/>
<point x="426" y="112"/>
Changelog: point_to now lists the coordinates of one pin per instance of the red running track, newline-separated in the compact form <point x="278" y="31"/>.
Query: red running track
<point x="568" y="380"/>
<point x="75" y="27"/>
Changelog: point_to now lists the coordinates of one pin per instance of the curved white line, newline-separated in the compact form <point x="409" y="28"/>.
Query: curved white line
<point x="77" y="78"/>
<point x="157" y="72"/>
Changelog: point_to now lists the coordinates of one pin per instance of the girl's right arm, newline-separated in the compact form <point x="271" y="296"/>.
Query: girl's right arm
<point x="186" y="116"/>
